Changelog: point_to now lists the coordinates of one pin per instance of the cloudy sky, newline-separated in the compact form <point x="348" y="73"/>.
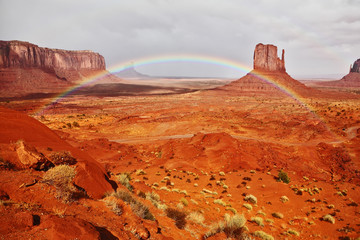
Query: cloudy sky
<point x="319" y="37"/>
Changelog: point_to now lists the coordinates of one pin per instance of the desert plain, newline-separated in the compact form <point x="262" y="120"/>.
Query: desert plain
<point x="214" y="162"/>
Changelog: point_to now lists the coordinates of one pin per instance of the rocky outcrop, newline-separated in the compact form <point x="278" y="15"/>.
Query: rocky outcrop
<point x="266" y="58"/>
<point x="17" y="54"/>
<point x="356" y="66"/>
<point x="269" y="77"/>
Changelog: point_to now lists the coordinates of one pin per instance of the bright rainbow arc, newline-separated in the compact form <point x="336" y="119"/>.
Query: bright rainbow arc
<point x="166" y="59"/>
<point x="180" y="58"/>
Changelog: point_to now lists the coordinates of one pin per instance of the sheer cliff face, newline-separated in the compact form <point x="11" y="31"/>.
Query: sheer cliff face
<point x="356" y="66"/>
<point x="266" y="58"/>
<point x="16" y="54"/>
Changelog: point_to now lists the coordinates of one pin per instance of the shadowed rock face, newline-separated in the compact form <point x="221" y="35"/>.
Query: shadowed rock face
<point x="356" y="66"/>
<point x="266" y="58"/>
<point x="17" y="54"/>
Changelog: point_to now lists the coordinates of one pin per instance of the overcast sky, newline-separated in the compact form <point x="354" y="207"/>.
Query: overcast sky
<point x="319" y="37"/>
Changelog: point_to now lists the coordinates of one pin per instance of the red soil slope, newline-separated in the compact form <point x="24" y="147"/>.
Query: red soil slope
<point x="16" y="126"/>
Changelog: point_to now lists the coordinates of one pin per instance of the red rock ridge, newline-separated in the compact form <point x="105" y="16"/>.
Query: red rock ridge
<point x="18" y="54"/>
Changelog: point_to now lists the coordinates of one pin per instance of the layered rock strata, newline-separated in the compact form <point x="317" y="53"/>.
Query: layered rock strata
<point x="17" y="54"/>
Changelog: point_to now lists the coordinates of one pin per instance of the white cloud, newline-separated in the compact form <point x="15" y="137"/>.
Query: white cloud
<point x="322" y="33"/>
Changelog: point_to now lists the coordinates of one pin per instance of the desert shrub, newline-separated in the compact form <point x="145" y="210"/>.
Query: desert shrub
<point x="284" y="199"/>
<point x="196" y="217"/>
<point x="124" y="179"/>
<point x="261" y="213"/>
<point x="69" y="125"/>
<point x="232" y="226"/>
<point x="141" y="210"/>
<point x="277" y="215"/>
<point x="328" y="218"/>
<point x="112" y="204"/>
<point x="140" y="172"/>
<point x="184" y="201"/>
<point x="251" y="198"/>
<point x="263" y="235"/>
<point x="283" y="177"/>
<point x="62" y="157"/>
<point x="61" y="177"/>
<point x="136" y="206"/>
<point x="178" y="216"/>
<point x="233" y="210"/>
<point x="220" y="202"/>
<point x="124" y="195"/>
<point x="247" y="206"/>
<point x="293" y="232"/>
<point x="258" y="220"/>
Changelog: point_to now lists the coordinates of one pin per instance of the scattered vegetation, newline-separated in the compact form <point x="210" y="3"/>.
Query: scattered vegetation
<point x="114" y="206"/>
<point x="124" y="179"/>
<point x="328" y="218"/>
<point x="263" y="235"/>
<point x="232" y="226"/>
<point x="220" y="202"/>
<point x="178" y="216"/>
<point x="258" y="220"/>
<point x="284" y="199"/>
<point x="283" y="177"/>
<point x="251" y="198"/>
<point x="61" y="177"/>
<point x="184" y="201"/>
<point x="247" y="206"/>
<point x="293" y="232"/>
<point x="196" y="217"/>
<point x="136" y="206"/>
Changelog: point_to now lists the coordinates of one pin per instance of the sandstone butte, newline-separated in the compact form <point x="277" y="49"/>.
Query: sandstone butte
<point x="266" y="58"/>
<point x="268" y="76"/>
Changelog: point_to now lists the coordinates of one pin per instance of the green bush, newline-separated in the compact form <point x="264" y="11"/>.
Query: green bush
<point x="283" y="177"/>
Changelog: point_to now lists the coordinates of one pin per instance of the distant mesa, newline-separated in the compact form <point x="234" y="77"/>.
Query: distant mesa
<point x="18" y="54"/>
<point x="268" y="76"/>
<point x="26" y="68"/>
<point x="130" y="72"/>
<point x="351" y="80"/>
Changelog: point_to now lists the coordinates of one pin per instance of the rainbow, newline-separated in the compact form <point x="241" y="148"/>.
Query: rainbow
<point x="242" y="68"/>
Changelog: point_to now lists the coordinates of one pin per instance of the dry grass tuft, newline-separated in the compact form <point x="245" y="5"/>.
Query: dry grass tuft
<point x="61" y="177"/>
<point x="232" y="226"/>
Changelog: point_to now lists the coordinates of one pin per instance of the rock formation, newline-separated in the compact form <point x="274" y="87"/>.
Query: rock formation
<point x="351" y="80"/>
<point x="17" y="54"/>
<point x="266" y="58"/>
<point x="27" y="69"/>
<point x="268" y="77"/>
<point x="356" y="66"/>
